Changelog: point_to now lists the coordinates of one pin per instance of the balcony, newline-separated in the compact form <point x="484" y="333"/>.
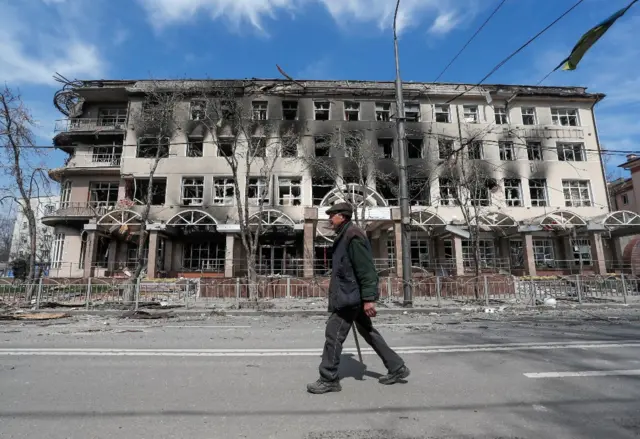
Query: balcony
<point x="80" y="125"/>
<point x="76" y="211"/>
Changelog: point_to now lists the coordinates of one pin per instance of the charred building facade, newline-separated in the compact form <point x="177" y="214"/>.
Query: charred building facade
<point x="541" y="205"/>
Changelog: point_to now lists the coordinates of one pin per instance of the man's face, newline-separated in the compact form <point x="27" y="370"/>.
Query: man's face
<point x="336" y="220"/>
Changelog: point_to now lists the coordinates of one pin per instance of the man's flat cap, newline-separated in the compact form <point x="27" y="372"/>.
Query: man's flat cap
<point x="343" y="208"/>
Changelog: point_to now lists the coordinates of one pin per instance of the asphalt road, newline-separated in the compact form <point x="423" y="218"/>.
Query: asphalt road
<point x="226" y="377"/>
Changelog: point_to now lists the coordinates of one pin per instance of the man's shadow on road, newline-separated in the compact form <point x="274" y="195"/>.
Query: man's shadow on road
<point x="350" y="367"/>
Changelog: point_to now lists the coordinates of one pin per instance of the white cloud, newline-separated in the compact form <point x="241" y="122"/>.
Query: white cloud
<point x="33" y="48"/>
<point x="443" y="15"/>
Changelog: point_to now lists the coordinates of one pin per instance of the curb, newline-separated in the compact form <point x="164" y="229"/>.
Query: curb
<point x="318" y="312"/>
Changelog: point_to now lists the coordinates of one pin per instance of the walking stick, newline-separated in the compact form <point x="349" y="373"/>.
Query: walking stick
<point x="355" y="336"/>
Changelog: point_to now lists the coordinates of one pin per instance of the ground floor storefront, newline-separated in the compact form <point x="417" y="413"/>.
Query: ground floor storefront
<point x="194" y="244"/>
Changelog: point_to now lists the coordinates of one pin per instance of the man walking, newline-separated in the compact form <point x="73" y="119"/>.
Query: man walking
<point x="353" y="291"/>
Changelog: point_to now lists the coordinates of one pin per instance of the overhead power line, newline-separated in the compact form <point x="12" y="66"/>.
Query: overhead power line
<point x="470" y="40"/>
<point x="520" y="49"/>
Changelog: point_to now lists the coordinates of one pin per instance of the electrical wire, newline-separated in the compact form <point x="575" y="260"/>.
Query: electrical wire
<point x="520" y="49"/>
<point x="471" y="39"/>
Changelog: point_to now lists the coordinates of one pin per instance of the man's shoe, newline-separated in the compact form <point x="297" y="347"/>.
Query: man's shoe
<point x="322" y="386"/>
<point x="392" y="378"/>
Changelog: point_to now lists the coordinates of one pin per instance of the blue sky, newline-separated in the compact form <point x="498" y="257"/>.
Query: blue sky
<point x="324" y="39"/>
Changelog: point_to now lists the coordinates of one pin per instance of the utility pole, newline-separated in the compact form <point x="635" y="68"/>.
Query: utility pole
<point x="405" y="219"/>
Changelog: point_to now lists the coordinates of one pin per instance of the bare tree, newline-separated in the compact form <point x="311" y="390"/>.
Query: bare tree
<point x="155" y="122"/>
<point x="236" y="116"/>
<point x="30" y="180"/>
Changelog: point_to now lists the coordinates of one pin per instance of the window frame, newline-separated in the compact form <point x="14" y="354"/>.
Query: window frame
<point x="317" y="109"/>
<point x="223" y="183"/>
<point x="198" y="187"/>
<point x="580" y="186"/>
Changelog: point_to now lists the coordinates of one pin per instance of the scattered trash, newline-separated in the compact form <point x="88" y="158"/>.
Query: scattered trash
<point x="489" y="310"/>
<point x="145" y="315"/>
<point x="550" y="301"/>
<point x="34" y="316"/>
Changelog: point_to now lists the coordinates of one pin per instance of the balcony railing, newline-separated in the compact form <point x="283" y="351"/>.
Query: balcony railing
<point x="106" y="159"/>
<point x="86" y="124"/>
<point x="84" y="209"/>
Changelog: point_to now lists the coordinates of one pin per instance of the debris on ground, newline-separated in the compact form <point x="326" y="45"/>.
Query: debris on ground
<point x="34" y="316"/>
<point x="143" y="315"/>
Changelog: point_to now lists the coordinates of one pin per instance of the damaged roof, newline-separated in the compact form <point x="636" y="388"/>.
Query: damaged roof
<point x="352" y="87"/>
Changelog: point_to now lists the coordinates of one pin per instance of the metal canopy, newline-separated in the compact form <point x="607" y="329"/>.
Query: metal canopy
<point x="355" y="194"/>
<point x="425" y="220"/>
<point x="271" y="218"/>
<point x="122" y="217"/>
<point x="193" y="221"/>
<point x="621" y="218"/>
<point x="560" y="219"/>
<point x="495" y="220"/>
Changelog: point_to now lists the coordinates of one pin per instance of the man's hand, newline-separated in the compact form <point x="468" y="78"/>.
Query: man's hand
<point x="370" y="309"/>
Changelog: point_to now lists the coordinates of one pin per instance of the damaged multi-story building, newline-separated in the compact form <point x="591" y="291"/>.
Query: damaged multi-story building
<point x="542" y="205"/>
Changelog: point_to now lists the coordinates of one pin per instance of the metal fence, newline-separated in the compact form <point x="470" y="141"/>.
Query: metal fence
<point x="97" y="293"/>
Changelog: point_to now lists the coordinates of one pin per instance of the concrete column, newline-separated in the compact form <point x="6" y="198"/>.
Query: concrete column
<point x="529" y="260"/>
<point x="229" y="255"/>
<point x="176" y="257"/>
<point x="90" y="256"/>
<point x="504" y="253"/>
<point x="397" y="231"/>
<point x="457" y="254"/>
<point x="152" y="254"/>
<point x="597" y="254"/>
<point x="113" y="254"/>
<point x="168" y="255"/>
<point x="568" y="253"/>
<point x="383" y="247"/>
<point x="309" y="242"/>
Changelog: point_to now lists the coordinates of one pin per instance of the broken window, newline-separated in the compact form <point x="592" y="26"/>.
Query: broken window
<point x="226" y="108"/>
<point x="225" y="147"/>
<point x="486" y="249"/>
<point x="103" y="194"/>
<point x="534" y="150"/>
<point x="476" y="151"/>
<point x="258" y="191"/>
<point x="576" y="193"/>
<point x="152" y="147"/>
<point x="259" y="110"/>
<point x="258" y="147"/>
<point x="65" y="194"/>
<point x="566" y="117"/>
<point x="581" y="251"/>
<point x="321" y="146"/>
<point x="528" y="116"/>
<point x="351" y="145"/>
<point x="224" y="191"/>
<point x="501" y="115"/>
<point x="516" y="252"/>
<point x="112" y="117"/>
<point x="290" y="191"/>
<point x="448" y="192"/>
<point x="414" y="148"/>
<point x="198" y="109"/>
<point x="445" y="148"/>
<point x="419" y="192"/>
<point x="538" y="192"/>
<point x="320" y="187"/>
<point x="383" y="111"/>
<point x="512" y="192"/>
<point x="289" y="147"/>
<point x="321" y="110"/>
<point x="571" y="152"/>
<point x="386" y="145"/>
<point x="352" y="111"/>
<point x="195" y="148"/>
<point x="138" y="191"/>
<point x="203" y="256"/>
<point x="470" y="113"/>
<point x="109" y="155"/>
<point x="192" y="191"/>
<point x="387" y="186"/>
<point x="290" y="110"/>
<point x="507" y="152"/>
<point x="442" y="113"/>
<point x="412" y="112"/>
<point x="480" y="194"/>
<point x="543" y="253"/>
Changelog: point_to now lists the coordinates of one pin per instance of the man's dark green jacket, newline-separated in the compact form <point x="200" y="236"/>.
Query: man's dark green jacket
<point x="354" y="277"/>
